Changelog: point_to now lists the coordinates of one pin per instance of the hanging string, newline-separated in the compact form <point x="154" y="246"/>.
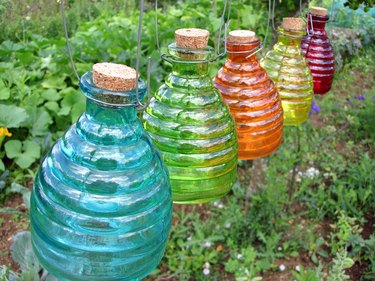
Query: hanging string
<point x="140" y="105"/>
<point x="273" y="15"/>
<point x="262" y="44"/>
<point x="226" y="10"/>
<point x="67" y="40"/>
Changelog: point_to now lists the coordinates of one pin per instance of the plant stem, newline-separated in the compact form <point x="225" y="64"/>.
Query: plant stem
<point x="248" y="165"/>
<point x="296" y="164"/>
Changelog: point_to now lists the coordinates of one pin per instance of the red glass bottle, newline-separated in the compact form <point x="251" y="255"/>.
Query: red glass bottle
<point x="251" y="96"/>
<point x="318" y="50"/>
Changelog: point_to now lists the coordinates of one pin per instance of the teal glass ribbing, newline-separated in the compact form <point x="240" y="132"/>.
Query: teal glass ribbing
<point x="101" y="204"/>
<point x="193" y="129"/>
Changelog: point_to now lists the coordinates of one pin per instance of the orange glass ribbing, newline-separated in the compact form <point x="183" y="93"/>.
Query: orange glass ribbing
<point x="253" y="101"/>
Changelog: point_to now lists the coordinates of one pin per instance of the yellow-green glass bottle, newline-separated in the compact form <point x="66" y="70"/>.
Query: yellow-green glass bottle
<point x="193" y="128"/>
<point x="287" y="67"/>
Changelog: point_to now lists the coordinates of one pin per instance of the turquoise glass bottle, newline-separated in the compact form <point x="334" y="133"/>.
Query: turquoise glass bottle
<point x="192" y="127"/>
<point x="101" y="202"/>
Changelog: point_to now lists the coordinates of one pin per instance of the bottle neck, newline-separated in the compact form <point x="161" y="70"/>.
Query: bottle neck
<point x="108" y="115"/>
<point x="190" y="70"/>
<point x="110" y="108"/>
<point x="242" y="52"/>
<point x="189" y="63"/>
<point x="290" y="37"/>
<point x="316" y="24"/>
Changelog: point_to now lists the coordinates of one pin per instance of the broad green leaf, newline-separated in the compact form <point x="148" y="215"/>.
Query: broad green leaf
<point x="13" y="148"/>
<point x="54" y="82"/>
<point x="24" y="154"/>
<point x="39" y="121"/>
<point x="73" y="104"/>
<point x="348" y="263"/>
<point x="12" y="116"/>
<point x="25" y="58"/>
<point x="10" y="47"/>
<point x="31" y="148"/>
<point x="23" y="253"/>
<point x="26" y="193"/>
<point x="2" y="167"/>
<point x="4" y="91"/>
<point x="52" y="106"/>
<point x="51" y="95"/>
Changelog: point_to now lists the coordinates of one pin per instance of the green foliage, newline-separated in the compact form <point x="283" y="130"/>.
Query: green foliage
<point x="308" y="274"/>
<point x="355" y="4"/>
<point x="24" y="153"/>
<point x="23" y="254"/>
<point x="340" y="263"/>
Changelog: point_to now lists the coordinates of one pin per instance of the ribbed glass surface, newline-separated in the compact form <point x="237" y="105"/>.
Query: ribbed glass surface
<point x="319" y="54"/>
<point x="193" y="129"/>
<point x="101" y="203"/>
<point x="287" y="67"/>
<point x="253" y="101"/>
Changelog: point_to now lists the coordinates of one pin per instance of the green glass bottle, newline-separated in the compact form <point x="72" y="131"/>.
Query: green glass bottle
<point x="287" y="67"/>
<point x="191" y="125"/>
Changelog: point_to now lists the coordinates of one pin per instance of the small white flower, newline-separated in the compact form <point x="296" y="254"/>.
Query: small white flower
<point x="282" y="267"/>
<point x="207" y="265"/>
<point x="189" y="238"/>
<point x="312" y="172"/>
<point x="27" y="18"/>
<point x="279" y="248"/>
<point x="228" y="225"/>
<point x="215" y="203"/>
<point x="239" y="256"/>
<point x="221" y="206"/>
<point x="206" y="271"/>
<point x="207" y="244"/>
<point x="298" y="268"/>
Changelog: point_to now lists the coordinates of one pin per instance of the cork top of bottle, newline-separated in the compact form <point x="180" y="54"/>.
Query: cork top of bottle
<point x="319" y="11"/>
<point x="114" y="77"/>
<point x="242" y="36"/>
<point x="192" y="38"/>
<point x="293" y="24"/>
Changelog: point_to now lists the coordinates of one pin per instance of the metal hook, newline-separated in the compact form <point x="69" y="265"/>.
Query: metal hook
<point x="312" y="26"/>
<point x="226" y="10"/>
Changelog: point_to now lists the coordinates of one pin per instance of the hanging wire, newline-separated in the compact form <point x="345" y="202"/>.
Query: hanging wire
<point x="170" y="59"/>
<point x="67" y="40"/>
<point x="139" y="105"/>
<point x="273" y="15"/>
<point x="262" y="44"/>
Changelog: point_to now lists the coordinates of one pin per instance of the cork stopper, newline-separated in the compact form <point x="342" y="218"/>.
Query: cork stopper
<point x="192" y="38"/>
<point x="319" y="11"/>
<point x="293" y="24"/>
<point x="242" y="36"/>
<point x="114" y="77"/>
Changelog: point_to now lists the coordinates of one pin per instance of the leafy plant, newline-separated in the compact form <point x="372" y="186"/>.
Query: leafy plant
<point x="23" y="253"/>
<point x="340" y="263"/>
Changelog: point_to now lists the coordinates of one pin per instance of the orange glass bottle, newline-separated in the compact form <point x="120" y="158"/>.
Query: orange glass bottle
<point x="251" y="96"/>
